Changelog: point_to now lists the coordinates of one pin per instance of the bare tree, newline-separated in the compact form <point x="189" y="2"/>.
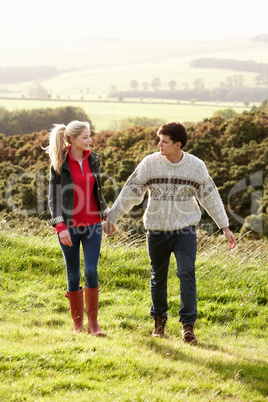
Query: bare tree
<point x="145" y="86"/>
<point x="172" y="85"/>
<point x="134" y="85"/>
<point x="156" y="83"/>
<point x="198" y="84"/>
<point x="38" y="91"/>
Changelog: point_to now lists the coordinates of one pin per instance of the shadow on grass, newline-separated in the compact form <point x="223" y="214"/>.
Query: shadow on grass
<point x="253" y="374"/>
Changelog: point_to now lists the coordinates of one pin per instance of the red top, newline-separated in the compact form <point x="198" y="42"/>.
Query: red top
<point x="85" y="209"/>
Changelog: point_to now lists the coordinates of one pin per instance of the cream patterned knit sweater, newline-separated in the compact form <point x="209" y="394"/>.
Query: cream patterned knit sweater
<point x="173" y="191"/>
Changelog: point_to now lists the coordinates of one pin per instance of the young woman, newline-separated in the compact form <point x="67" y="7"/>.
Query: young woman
<point x="77" y="207"/>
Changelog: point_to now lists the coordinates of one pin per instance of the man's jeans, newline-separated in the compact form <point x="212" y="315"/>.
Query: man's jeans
<point x="160" y="246"/>
<point x="90" y="237"/>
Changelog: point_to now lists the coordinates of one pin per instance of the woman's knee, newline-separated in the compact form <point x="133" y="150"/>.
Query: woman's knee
<point x="73" y="282"/>
<point x="92" y="280"/>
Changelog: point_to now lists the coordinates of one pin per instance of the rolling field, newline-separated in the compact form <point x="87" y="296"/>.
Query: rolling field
<point x="97" y="65"/>
<point x="104" y="115"/>
<point x="89" y="67"/>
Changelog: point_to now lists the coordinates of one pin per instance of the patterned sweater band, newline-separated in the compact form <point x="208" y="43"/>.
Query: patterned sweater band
<point x="55" y="221"/>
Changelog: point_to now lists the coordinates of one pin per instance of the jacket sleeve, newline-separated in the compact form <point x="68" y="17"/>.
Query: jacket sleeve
<point x="54" y="199"/>
<point x="95" y="168"/>
<point x="105" y="209"/>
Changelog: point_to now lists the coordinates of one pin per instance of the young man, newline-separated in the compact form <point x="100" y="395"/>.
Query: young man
<point x="175" y="179"/>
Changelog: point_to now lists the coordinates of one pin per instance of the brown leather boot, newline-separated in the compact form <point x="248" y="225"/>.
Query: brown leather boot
<point x="188" y="333"/>
<point x="159" y="327"/>
<point x="77" y="309"/>
<point x="92" y="304"/>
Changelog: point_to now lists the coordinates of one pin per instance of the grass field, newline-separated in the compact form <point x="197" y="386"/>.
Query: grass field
<point x="41" y="360"/>
<point x="105" y="115"/>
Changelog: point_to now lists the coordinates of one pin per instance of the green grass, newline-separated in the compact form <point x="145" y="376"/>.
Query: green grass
<point x="105" y="115"/>
<point x="41" y="360"/>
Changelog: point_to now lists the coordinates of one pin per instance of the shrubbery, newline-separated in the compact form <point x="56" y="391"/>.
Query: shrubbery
<point x="235" y="152"/>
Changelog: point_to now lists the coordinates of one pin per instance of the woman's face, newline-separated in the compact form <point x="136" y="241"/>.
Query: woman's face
<point x="83" y="140"/>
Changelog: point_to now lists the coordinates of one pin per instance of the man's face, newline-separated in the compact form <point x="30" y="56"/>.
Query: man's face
<point x="168" y="148"/>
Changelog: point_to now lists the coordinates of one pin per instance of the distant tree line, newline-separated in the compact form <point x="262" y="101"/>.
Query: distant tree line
<point x="12" y="75"/>
<point x="230" y="64"/>
<point x="231" y="90"/>
<point x="223" y="94"/>
<point x="29" y="121"/>
<point x="261" y="38"/>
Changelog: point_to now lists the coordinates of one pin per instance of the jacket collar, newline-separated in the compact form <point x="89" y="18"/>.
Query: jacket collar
<point x="86" y="154"/>
<point x="90" y="155"/>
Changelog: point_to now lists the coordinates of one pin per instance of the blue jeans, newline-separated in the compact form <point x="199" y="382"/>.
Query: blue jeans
<point x="160" y="246"/>
<point x="90" y="237"/>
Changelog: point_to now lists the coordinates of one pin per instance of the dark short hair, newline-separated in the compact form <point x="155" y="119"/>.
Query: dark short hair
<point x="176" y="131"/>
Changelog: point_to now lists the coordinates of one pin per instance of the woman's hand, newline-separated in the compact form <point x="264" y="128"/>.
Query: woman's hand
<point x="108" y="227"/>
<point x="65" y="238"/>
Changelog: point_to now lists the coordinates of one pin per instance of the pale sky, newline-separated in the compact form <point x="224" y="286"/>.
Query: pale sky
<point x="55" y="16"/>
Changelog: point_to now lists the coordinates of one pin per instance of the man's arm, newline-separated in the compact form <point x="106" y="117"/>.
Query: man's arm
<point x="131" y="194"/>
<point x="210" y="199"/>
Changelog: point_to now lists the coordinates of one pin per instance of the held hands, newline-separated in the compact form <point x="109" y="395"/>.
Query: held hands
<point x="230" y="237"/>
<point x="108" y="227"/>
<point x="65" y="238"/>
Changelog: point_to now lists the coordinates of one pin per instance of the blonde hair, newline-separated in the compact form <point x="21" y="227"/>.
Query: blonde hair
<point x="60" y="140"/>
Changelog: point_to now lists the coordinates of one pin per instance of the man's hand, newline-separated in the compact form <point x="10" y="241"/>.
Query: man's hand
<point x="65" y="238"/>
<point x="108" y="227"/>
<point x="230" y="237"/>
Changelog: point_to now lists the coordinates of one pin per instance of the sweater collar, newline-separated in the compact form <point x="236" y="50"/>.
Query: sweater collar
<point x="171" y="163"/>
